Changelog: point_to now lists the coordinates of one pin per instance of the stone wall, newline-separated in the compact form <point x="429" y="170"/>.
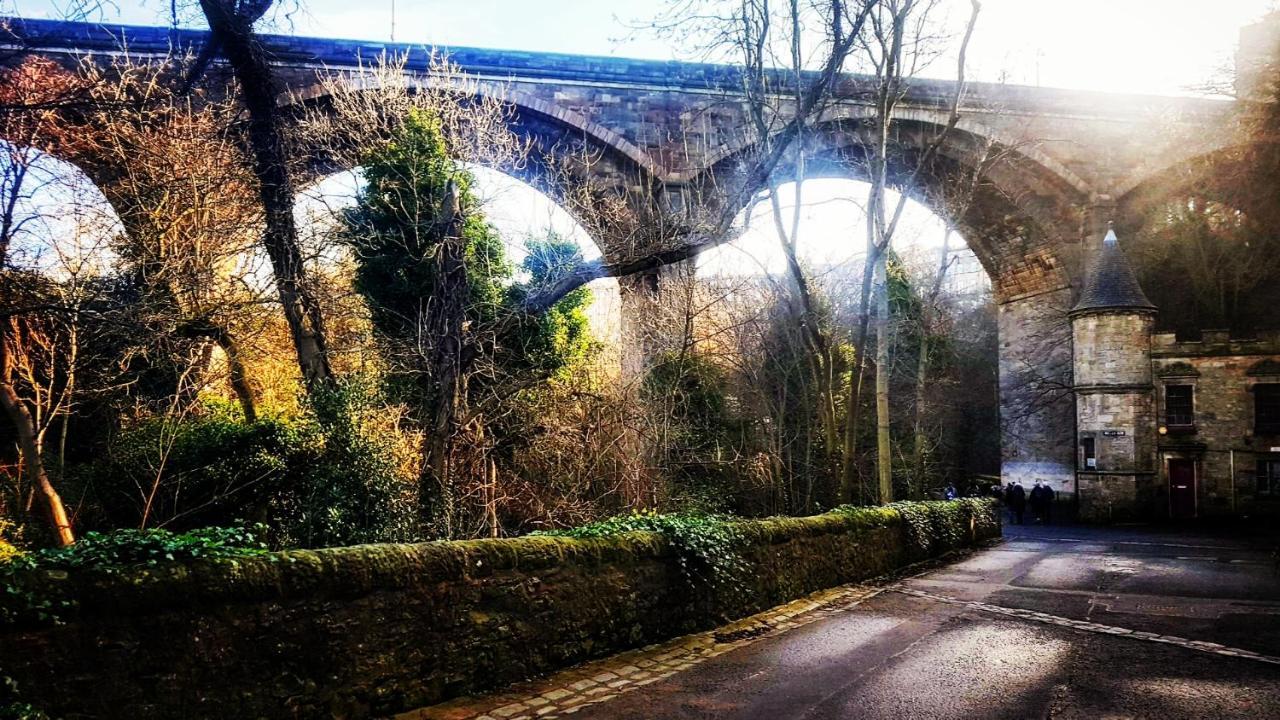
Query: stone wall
<point x="1111" y="348"/>
<point x="372" y="630"/>
<point x="1037" y="412"/>
<point x="1222" y="370"/>
<point x="1114" y="408"/>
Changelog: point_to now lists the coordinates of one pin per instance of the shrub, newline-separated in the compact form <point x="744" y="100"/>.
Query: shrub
<point x="707" y="544"/>
<point x="205" y="469"/>
<point x="8" y="550"/>
<point x="362" y="485"/>
<point x="343" y="473"/>
<point x="931" y="527"/>
<point x="11" y="705"/>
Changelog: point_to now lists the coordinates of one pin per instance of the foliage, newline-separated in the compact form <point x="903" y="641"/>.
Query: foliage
<point x="361" y="486"/>
<point x="112" y="552"/>
<point x="702" y="433"/>
<point x="554" y="341"/>
<point x="342" y="473"/>
<point x="696" y="391"/>
<point x="204" y="469"/>
<point x="396" y="225"/>
<point x="930" y="527"/>
<point x="1208" y="265"/>
<point x="8" y="549"/>
<point x="707" y="544"/>
<point x="395" y="231"/>
<point x="130" y="548"/>
<point x="11" y="705"/>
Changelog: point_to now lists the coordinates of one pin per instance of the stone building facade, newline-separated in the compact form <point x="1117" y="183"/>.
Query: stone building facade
<point x="1168" y="428"/>
<point x="1218" y="419"/>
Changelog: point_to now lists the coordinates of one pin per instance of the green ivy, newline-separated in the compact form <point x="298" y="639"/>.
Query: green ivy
<point x="930" y="527"/>
<point x="11" y="705"/>
<point x="707" y="545"/>
<point x="113" y="552"/>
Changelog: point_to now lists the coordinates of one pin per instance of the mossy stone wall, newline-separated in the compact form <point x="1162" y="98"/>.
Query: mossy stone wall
<point x="371" y="630"/>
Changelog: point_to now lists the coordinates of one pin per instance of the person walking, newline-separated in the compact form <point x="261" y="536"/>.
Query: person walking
<point x="1047" y="498"/>
<point x="1018" y="502"/>
<point x="1036" y="501"/>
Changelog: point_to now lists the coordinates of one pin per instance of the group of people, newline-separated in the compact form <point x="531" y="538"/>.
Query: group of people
<point x="1016" y="499"/>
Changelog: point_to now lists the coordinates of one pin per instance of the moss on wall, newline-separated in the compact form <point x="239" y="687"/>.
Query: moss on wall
<point x="374" y="629"/>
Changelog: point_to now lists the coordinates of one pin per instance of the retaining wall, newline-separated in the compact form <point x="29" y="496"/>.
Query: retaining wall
<point x="371" y="630"/>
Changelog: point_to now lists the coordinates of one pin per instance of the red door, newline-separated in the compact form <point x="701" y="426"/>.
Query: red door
<point x="1182" y="488"/>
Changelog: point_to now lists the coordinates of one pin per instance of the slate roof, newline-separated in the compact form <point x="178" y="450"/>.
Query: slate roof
<point x="1112" y="284"/>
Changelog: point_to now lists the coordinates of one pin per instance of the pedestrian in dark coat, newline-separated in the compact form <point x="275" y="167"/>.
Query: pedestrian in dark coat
<point x="1036" y="501"/>
<point x="1047" y="498"/>
<point x="1018" y="502"/>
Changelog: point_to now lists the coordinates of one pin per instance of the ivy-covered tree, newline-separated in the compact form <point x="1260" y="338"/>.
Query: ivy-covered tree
<point x="445" y="303"/>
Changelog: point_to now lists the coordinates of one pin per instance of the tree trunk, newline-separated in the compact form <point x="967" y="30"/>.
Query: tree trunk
<point x="884" y="457"/>
<point x="922" y="364"/>
<point x="233" y="29"/>
<point x="238" y="377"/>
<point x="853" y="404"/>
<point x="29" y="444"/>
<point x="446" y="377"/>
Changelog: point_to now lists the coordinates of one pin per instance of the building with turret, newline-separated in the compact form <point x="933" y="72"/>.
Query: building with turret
<point x="1168" y="428"/>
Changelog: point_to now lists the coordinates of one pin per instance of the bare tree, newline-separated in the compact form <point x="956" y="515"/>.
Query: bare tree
<point x="32" y="94"/>
<point x="895" y="44"/>
<point x="232" y="34"/>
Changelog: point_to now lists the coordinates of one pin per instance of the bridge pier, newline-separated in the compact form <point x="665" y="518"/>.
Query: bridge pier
<point x="1037" y="411"/>
<point x="656" y="308"/>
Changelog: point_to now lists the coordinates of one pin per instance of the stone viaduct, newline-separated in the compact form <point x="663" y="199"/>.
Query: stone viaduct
<point x="1070" y="161"/>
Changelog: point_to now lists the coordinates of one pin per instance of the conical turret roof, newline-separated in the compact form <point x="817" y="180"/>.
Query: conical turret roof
<point x="1111" y="284"/>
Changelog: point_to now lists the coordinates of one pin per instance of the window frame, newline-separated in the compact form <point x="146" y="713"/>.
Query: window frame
<point x="1089" y="451"/>
<point x="1189" y="415"/>
<point x="1268" y="474"/>
<point x="1270" y="424"/>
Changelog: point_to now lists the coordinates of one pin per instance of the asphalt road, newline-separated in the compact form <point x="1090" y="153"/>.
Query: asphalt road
<point x="952" y="653"/>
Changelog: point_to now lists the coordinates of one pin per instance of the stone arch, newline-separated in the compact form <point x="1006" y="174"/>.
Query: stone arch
<point x="1189" y="176"/>
<point x="524" y="104"/>
<point x="1025" y="225"/>
<point x="596" y="154"/>
<point x="1024" y="222"/>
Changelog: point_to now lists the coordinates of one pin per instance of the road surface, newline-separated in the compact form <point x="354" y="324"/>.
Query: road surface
<point x="1054" y="622"/>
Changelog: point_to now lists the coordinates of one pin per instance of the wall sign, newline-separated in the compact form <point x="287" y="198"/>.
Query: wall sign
<point x="1113" y="433"/>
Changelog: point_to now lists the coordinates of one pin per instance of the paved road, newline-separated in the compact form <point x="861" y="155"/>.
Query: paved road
<point x="945" y="645"/>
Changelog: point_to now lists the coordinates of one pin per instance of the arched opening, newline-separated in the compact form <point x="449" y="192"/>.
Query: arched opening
<point x="520" y="212"/>
<point x="831" y="237"/>
<point x="57" y="222"/>
<point x="1020" y="215"/>
<point x="745" y="363"/>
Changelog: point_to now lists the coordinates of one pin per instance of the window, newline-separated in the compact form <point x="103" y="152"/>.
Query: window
<point x="1179" y="406"/>
<point x="1090" y="458"/>
<point x="1268" y="477"/>
<point x="1266" y="409"/>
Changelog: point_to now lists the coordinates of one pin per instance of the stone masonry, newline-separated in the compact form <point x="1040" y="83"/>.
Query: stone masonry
<point x="1222" y="442"/>
<point x="1070" y="160"/>
<point x="1111" y="341"/>
<point x="1166" y="429"/>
